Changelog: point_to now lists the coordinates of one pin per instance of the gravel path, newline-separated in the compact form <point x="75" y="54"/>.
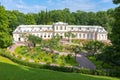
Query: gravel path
<point x="84" y="62"/>
<point x="14" y="46"/>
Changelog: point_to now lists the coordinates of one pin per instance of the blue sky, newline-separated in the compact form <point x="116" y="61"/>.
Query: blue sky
<point x="36" y="6"/>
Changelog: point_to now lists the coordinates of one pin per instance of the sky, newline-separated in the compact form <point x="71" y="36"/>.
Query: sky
<point x="35" y="6"/>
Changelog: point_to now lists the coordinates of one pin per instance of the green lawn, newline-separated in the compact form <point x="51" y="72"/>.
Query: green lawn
<point x="12" y="71"/>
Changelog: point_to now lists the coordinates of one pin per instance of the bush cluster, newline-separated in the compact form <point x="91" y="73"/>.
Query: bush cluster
<point x="112" y="73"/>
<point x="44" y="55"/>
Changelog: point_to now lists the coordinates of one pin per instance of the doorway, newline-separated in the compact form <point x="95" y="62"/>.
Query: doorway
<point x="19" y="39"/>
<point x="61" y="37"/>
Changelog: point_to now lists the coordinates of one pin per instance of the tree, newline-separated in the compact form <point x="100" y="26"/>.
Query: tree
<point x="91" y="18"/>
<point x="5" y="38"/>
<point x="76" y="50"/>
<point x="20" y="17"/>
<point x="93" y="46"/>
<point x="34" y="39"/>
<point x="29" y="19"/>
<point x="12" y="18"/>
<point x="54" y="42"/>
<point x="111" y="54"/>
<point x="105" y="55"/>
<point x="116" y="1"/>
<point x="115" y="36"/>
<point x="69" y="35"/>
<point x="102" y="18"/>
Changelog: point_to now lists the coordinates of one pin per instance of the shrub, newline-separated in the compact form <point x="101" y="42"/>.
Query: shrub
<point x="85" y="71"/>
<point x="113" y="73"/>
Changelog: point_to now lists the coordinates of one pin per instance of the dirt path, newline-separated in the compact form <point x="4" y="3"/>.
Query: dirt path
<point x="14" y="46"/>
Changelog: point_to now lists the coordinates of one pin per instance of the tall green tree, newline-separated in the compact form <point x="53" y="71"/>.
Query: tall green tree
<point x="102" y="18"/>
<point x="91" y="18"/>
<point x="112" y="53"/>
<point x="12" y="18"/>
<point x="116" y="34"/>
<point x="20" y="17"/>
<point x="29" y="19"/>
<point x="54" y="42"/>
<point x="93" y="46"/>
<point x="34" y="39"/>
<point x="69" y="35"/>
<point x="116" y="1"/>
<point x="76" y="50"/>
<point x="5" y="38"/>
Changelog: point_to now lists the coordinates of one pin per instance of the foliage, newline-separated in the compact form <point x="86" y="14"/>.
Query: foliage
<point x="116" y="1"/>
<point x="93" y="46"/>
<point x="38" y="54"/>
<point x="29" y="19"/>
<point x="60" y="68"/>
<point x="34" y="39"/>
<point x="5" y="38"/>
<point x="102" y="18"/>
<point x="115" y="37"/>
<point x="111" y="54"/>
<point x="76" y="50"/>
<point x="7" y="67"/>
<point x="12" y="19"/>
<point x="70" y="35"/>
<point x="54" y="42"/>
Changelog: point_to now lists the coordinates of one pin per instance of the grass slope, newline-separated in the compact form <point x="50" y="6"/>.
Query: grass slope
<point x="12" y="71"/>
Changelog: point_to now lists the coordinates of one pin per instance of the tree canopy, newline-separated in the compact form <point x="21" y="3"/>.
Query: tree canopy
<point x="116" y="1"/>
<point x="34" y="39"/>
<point x="102" y="18"/>
<point x="112" y="53"/>
<point x="116" y="34"/>
<point x="5" y="38"/>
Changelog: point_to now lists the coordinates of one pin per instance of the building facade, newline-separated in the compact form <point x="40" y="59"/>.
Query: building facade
<point x="60" y="28"/>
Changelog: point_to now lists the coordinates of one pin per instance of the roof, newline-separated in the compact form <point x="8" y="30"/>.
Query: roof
<point x="89" y="26"/>
<point x="35" y="26"/>
<point x="60" y="23"/>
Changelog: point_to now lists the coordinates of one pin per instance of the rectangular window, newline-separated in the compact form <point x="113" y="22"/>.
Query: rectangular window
<point x="79" y="28"/>
<point x="87" y="28"/>
<point x="65" y="27"/>
<point x="60" y="27"/>
<point x="56" y="27"/>
<point x="40" y="28"/>
<point x="88" y="36"/>
<point x="48" y="28"/>
<point x="83" y="35"/>
<point x="38" y="35"/>
<point x="79" y="35"/>
<point x="71" y="28"/>
<point x="41" y="36"/>
<point x="44" y="35"/>
<point x="48" y="35"/>
<point x="91" y="36"/>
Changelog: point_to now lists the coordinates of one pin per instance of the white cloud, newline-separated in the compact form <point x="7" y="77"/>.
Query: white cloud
<point x="26" y="8"/>
<point x="73" y="5"/>
<point x="21" y="6"/>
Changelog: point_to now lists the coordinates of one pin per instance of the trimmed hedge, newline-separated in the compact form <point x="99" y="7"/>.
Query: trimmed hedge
<point x="112" y="73"/>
